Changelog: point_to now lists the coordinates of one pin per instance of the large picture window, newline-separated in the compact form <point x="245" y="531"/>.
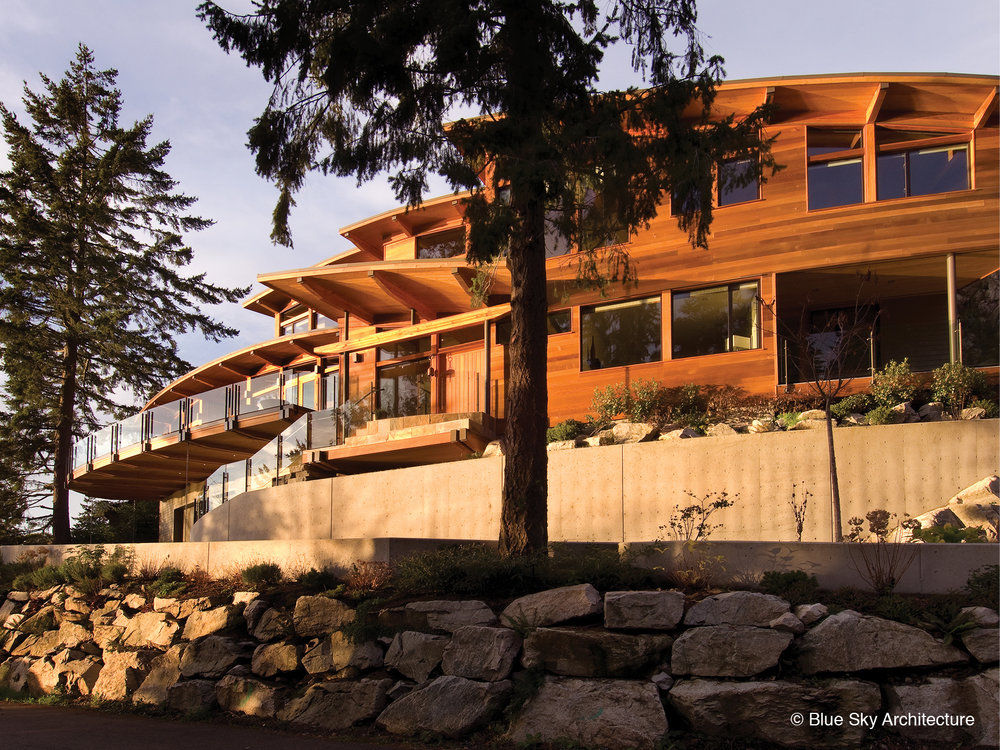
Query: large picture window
<point x="910" y="164"/>
<point x="836" y="173"/>
<point x="733" y="171"/>
<point x="448" y="244"/>
<point x="404" y="390"/>
<point x="623" y="333"/>
<point x="714" y="320"/>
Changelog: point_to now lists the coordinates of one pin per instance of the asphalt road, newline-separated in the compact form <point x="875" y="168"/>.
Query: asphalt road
<point x="33" y="727"/>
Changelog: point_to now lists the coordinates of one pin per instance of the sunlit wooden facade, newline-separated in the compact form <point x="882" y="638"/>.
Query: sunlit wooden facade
<point x="888" y="178"/>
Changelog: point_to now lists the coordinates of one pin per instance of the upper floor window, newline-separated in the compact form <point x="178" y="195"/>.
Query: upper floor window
<point x="559" y="321"/>
<point x="322" y="321"/>
<point x="622" y="333"/>
<point x="717" y="319"/>
<point x="400" y="349"/>
<point x="733" y="172"/>
<point x="836" y="173"/>
<point x="447" y="244"/>
<point x="920" y="163"/>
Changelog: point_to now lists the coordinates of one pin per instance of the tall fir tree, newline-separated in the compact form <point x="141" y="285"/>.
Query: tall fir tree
<point x="363" y="87"/>
<point x="91" y="291"/>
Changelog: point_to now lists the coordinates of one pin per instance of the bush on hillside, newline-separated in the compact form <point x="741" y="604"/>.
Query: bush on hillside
<point x="894" y="383"/>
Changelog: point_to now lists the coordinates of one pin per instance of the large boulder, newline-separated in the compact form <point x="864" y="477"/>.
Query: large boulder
<point x="634" y="432"/>
<point x="553" y="606"/>
<point x="79" y="675"/>
<point x="212" y="656"/>
<point x="956" y="700"/>
<point x="164" y="672"/>
<point x="851" y="642"/>
<point x="438" y="616"/>
<point x="727" y="651"/>
<point x="450" y="706"/>
<point x="47" y="643"/>
<point x="415" y="655"/>
<point x="810" y="613"/>
<point x="576" y="652"/>
<point x="336" y="651"/>
<point x="643" y="610"/>
<point x="192" y="696"/>
<point x="481" y="653"/>
<point x="211" y="621"/>
<point x="592" y="713"/>
<point x="74" y="635"/>
<point x="737" y="608"/>
<point x="270" y="624"/>
<point x="151" y="630"/>
<point x="983" y="644"/>
<point x="270" y="659"/>
<point x="984" y="617"/>
<point x="320" y="615"/>
<point x="338" y="704"/>
<point x="123" y="672"/>
<point x="777" y="712"/>
<point x="106" y="636"/>
<point x="246" y="695"/>
<point x="181" y="609"/>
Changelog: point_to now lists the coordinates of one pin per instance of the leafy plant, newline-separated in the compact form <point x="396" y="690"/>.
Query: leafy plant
<point x="949" y="534"/>
<point x="795" y="586"/>
<point x="881" y="564"/>
<point x="692" y="523"/>
<point x="988" y="405"/>
<point x="856" y="403"/>
<point x="611" y="401"/>
<point x="169" y="582"/>
<point x="567" y="430"/>
<point x="788" y="419"/>
<point x="883" y="415"/>
<point x="955" y="385"/>
<point x="948" y="628"/>
<point x="799" y="510"/>
<point x="983" y="586"/>
<point x="894" y="383"/>
<point x="318" y="580"/>
<point x="367" y="576"/>
<point x="261" y="575"/>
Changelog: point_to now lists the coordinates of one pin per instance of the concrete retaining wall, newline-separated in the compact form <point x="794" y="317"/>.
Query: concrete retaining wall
<point x="626" y="493"/>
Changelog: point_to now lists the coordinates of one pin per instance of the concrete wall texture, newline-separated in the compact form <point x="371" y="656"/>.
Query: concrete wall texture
<point x="627" y="493"/>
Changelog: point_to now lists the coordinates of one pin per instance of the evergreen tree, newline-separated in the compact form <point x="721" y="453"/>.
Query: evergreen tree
<point x="109" y="521"/>
<point x="364" y="86"/>
<point x="91" y="294"/>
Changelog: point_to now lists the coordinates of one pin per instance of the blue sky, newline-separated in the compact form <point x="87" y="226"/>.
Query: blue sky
<point x="203" y="101"/>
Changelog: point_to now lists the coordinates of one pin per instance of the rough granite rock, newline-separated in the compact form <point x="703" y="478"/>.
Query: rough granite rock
<point x="810" y="613"/>
<point x="982" y="616"/>
<point x="564" y="445"/>
<point x="320" y="615"/>
<point x="181" y="609"/>
<point x="788" y="623"/>
<point x="763" y="710"/>
<point x="134" y="601"/>
<point x="577" y="652"/>
<point x="737" y="608"/>
<point x="253" y="611"/>
<point x="79" y="675"/>
<point x="338" y="704"/>
<point x="975" y="696"/>
<point x="212" y="656"/>
<point x="643" y="610"/>
<point x="151" y="630"/>
<point x="447" y="616"/>
<point x="983" y="644"/>
<point x="727" y="650"/>
<point x="450" y="706"/>
<point x="634" y="432"/>
<point x="850" y="642"/>
<point x="47" y="643"/>
<point x="211" y="621"/>
<point x="481" y="653"/>
<point x="720" y="430"/>
<point x="165" y="671"/>
<point x="415" y="655"/>
<point x="106" y="635"/>
<point x="74" y="635"/>
<point x="553" y="606"/>
<point x="335" y="652"/>
<point x="270" y="659"/>
<point x="248" y="696"/>
<point x="271" y="625"/>
<point x="761" y="425"/>
<point x="680" y="434"/>
<point x="192" y="696"/>
<point x="592" y="713"/>
<point x="122" y="673"/>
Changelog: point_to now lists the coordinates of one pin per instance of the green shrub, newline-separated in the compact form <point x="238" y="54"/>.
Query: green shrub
<point x="956" y="385"/>
<point x="261" y="575"/>
<point x="894" y="383"/>
<point x="856" y="403"/>
<point x="949" y="534"/>
<point x="168" y="582"/>
<point x="795" y="586"/>
<point x="567" y="430"/>
<point x="788" y="419"/>
<point x="883" y="415"/>
<point x="611" y="401"/>
<point x="319" y="580"/>
<point x="983" y="586"/>
<point x="989" y="406"/>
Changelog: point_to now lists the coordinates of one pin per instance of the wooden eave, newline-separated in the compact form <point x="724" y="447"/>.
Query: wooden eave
<point x="373" y="232"/>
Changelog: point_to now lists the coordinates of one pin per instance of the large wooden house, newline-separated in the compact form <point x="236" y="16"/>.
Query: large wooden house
<point x="381" y="358"/>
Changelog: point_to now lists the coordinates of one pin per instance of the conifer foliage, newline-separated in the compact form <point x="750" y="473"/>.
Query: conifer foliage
<point x="91" y="288"/>
<point x="363" y="87"/>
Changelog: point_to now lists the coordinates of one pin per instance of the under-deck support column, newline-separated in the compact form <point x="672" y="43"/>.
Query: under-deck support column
<point x="953" y="355"/>
<point x="486" y="367"/>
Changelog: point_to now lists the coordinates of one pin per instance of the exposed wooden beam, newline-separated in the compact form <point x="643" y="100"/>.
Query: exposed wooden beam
<point x="464" y="277"/>
<point x="204" y="382"/>
<point x="304" y="348"/>
<point x="875" y="103"/>
<point x="768" y="95"/>
<point x="405" y="222"/>
<point x="362" y="244"/>
<point x="325" y="297"/>
<point x="395" y="286"/>
<point x="243" y="372"/>
<point x="270" y="358"/>
<point x="985" y="109"/>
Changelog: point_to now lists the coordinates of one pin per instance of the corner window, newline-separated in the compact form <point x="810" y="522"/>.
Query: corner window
<point x="836" y="173"/>
<point x="559" y="321"/>
<point x="910" y="164"/>
<point x="623" y="333"/>
<point x="448" y="244"/>
<point x="400" y="349"/>
<point x="714" y="320"/>
<point x="732" y="173"/>
<point x="404" y="390"/>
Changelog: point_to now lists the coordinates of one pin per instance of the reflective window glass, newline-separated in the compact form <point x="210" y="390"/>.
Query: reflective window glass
<point x="447" y="244"/>
<point x="559" y="322"/>
<point x="714" y="320"/>
<point x="733" y="170"/>
<point x="623" y="333"/>
<point x="405" y="389"/>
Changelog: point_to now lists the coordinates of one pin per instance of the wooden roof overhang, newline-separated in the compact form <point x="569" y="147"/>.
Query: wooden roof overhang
<point x="439" y="447"/>
<point x="370" y="234"/>
<point x="373" y="292"/>
<point x="170" y="463"/>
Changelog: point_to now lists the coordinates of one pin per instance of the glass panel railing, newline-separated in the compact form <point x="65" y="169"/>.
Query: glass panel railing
<point x="81" y="453"/>
<point x="263" y="467"/>
<point x="164" y="420"/>
<point x="130" y="431"/>
<point x="294" y="441"/>
<point x="104" y="441"/>
<point x="260" y="393"/>
<point x="236" y="479"/>
<point x="210" y="406"/>
<point x="215" y="489"/>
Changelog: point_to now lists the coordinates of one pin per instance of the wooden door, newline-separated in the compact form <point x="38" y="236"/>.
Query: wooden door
<point x="461" y="379"/>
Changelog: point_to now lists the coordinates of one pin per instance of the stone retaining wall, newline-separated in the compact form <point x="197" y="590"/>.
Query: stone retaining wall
<point x="567" y="665"/>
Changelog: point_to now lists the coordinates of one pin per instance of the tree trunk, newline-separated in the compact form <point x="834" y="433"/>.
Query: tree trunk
<point x="523" y="517"/>
<point x="836" y="526"/>
<point x="64" y="446"/>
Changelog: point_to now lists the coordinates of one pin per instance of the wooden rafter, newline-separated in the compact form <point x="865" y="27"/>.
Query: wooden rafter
<point x="405" y="222"/>
<point x="362" y="244"/>
<point x="330" y="302"/>
<point x="395" y="286"/>
<point x="985" y="109"/>
<point x="265" y="356"/>
<point x="875" y="103"/>
<point x="464" y="277"/>
<point x="243" y="372"/>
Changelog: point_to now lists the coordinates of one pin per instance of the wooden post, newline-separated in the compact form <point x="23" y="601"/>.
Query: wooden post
<point x="952" y="309"/>
<point x="486" y="367"/>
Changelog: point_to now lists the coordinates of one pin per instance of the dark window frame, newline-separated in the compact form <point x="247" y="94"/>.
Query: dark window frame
<point x="429" y="237"/>
<point x="907" y="148"/>
<point x="585" y="309"/>
<point x="718" y="185"/>
<point x="756" y="334"/>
